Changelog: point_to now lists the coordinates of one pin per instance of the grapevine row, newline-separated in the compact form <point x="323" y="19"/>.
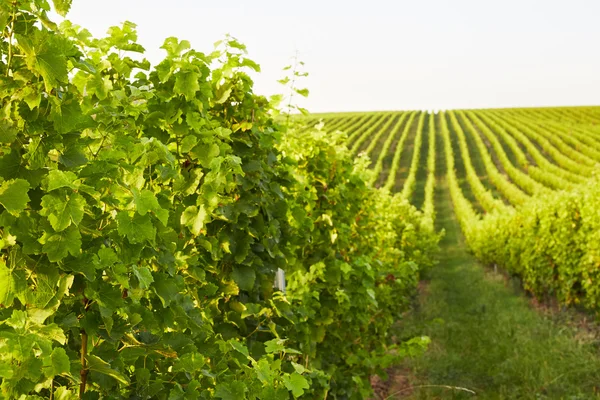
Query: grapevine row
<point x="386" y="146"/>
<point x="466" y="215"/>
<point x="579" y="132"/>
<point x="520" y="179"/>
<point x="375" y="138"/>
<point x="568" y="145"/>
<point x="351" y="124"/>
<point x="428" y="203"/>
<point x="411" y="180"/>
<point x="357" y="129"/>
<point x="342" y="123"/>
<point x="391" y="178"/>
<point x="561" y="160"/>
<point x="485" y="198"/>
<point x="545" y="172"/>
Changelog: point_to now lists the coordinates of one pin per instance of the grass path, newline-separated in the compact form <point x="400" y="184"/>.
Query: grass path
<point x="486" y="337"/>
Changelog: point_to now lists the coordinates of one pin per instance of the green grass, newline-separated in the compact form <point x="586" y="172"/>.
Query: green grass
<point x="486" y="337"/>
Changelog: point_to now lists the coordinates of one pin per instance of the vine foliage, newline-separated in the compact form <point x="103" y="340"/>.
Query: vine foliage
<point x="145" y="210"/>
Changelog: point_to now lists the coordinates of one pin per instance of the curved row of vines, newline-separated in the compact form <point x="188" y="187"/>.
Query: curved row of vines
<point x="523" y="183"/>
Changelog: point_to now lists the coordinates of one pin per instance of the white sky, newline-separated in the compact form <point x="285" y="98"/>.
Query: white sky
<point x="386" y="54"/>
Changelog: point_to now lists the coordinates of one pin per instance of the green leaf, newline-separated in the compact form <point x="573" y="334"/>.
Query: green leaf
<point x="176" y="393"/>
<point x="194" y="217"/>
<point x="96" y="364"/>
<point x="264" y="372"/>
<point x="298" y="368"/>
<point x="174" y="47"/>
<point x="137" y="229"/>
<point x="302" y="92"/>
<point x="62" y="393"/>
<point x="251" y="64"/>
<point x="277" y="346"/>
<point x="205" y="153"/>
<point x="304" y="111"/>
<point x="60" y="244"/>
<point x="73" y="157"/>
<point x="45" y="54"/>
<point x="57" y="179"/>
<point x="231" y="391"/>
<point x="274" y="346"/>
<point x="59" y="363"/>
<point x="13" y="195"/>
<point x="166" y="287"/>
<point x="146" y="201"/>
<point x="190" y="362"/>
<point x="244" y="276"/>
<point x="52" y="332"/>
<point x="188" y="143"/>
<point x="68" y="117"/>
<point x="239" y="347"/>
<point x="186" y="83"/>
<point x="32" y="96"/>
<point x="62" y="6"/>
<point x="222" y="93"/>
<point x="107" y="257"/>
<point x="62" y="213"/>
<point x="8" y="132"/>
<point x="6" y="371"/>
<point x="7" y="286"/>
<point x="100" y="86"/>
<point x="295" y="383"/>
<point x="144" y="276"/>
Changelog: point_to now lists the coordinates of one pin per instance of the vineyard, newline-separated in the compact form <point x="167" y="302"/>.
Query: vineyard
<point x="518" y="189"/>
<point x="167" y="233"/>
<point x="522" y="182"/>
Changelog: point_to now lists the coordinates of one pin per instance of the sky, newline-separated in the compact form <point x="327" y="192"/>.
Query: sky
<point x="386" y="54"/>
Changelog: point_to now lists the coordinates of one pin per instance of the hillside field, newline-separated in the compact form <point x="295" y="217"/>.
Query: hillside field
<point x="516" y="192"/>
<point x="168" y="232"/>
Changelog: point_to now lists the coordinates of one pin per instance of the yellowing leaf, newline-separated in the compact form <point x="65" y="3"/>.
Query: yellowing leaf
<point x="194" y="217"/>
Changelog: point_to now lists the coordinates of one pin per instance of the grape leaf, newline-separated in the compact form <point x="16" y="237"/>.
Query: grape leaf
<point x="274" y="345"/>
<point x="239" y="347"/>
<point x="58" y="363"/>
<point x="57" y="179"/>
<point x="62" y="6"/>
<point x="96" y="364"/>
<point x="146" y="201"/>
<point x="68" y="117"/>
<point x="231" y="391"/>
<point x="13" y="195"/>
<point x="166" y="287"/>
<point x="144" y="276"/>
<point x="62" y="213"/>
<point x="175" y="47"/>
<point x="60" y="244"/>
<point x="5" y="370"/>
<point x="295" y="383"/>
<point x="186" y="83"/>
<point x="244" y="276"/>
<point x="8" y="133"/>
<point x="194" y="217"/>
<point x="7" y="292"/>
<point x="44" y="54"/>
<point x="137" y="229"/>
<point x="264" y="372"/>
<point x="62" y="393"/>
